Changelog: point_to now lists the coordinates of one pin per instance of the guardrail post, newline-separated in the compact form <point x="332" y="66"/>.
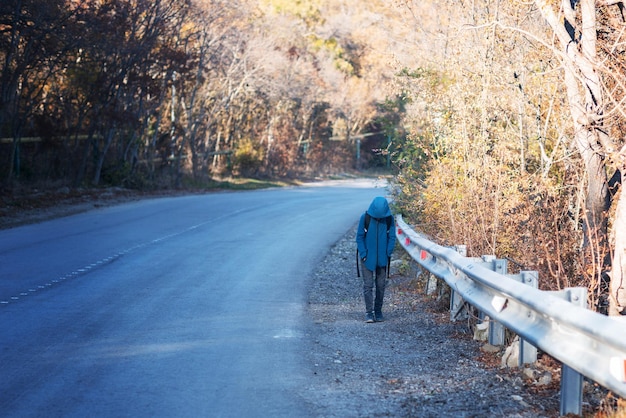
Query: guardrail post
<point x="497" y="332"/>
<point x="431" y="284"/>
<point x="571" y="380"/>
<point x="457" y="304"/>
<point x="500" y="265"/>
<point x="527" y="351"/>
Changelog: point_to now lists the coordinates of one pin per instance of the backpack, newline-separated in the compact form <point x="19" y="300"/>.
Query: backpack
<point x="368" y="217"/>
<point x="367" y="221"/>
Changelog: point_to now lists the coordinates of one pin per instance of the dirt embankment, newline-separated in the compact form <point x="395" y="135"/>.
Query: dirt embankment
<point x="21" y="207"/>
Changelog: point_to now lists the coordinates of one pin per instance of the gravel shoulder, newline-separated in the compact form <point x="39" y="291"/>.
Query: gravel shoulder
<point x="415" y="363"/>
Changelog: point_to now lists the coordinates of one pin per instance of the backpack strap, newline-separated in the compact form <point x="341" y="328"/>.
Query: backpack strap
<point x="368" y="217"/>
<point x="367" y="225"/>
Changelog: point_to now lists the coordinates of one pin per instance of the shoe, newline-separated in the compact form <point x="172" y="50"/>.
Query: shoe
<point x="369" y="318"/>
<point x="379" y="317"/>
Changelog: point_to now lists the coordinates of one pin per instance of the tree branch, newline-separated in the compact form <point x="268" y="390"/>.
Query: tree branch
<point x="609" y="2"/>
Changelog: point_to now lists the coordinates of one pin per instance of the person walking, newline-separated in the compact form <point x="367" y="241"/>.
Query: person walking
<point x="375" y="240"/>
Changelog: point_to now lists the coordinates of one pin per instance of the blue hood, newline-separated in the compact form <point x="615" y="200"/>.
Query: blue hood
<point x="379" y="208"/>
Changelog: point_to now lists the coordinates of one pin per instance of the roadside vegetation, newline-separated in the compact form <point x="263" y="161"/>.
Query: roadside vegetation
<point x="516" y="139"/>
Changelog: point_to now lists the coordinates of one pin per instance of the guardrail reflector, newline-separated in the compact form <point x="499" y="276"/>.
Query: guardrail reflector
<point x="407" y="241"/>
<point x="618" y="368"/>
<point x="498" y="303"/>
<point x="399" y="231"/>
<point x="423" y="254"/>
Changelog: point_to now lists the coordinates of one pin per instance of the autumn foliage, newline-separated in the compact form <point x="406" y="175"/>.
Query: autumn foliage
<point x="145" y="93"/>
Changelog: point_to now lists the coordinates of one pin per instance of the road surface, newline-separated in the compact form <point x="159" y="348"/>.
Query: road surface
<point x="187" y="306"/>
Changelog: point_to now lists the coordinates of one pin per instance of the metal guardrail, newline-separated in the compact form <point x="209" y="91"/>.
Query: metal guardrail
<point x="591" y="344"/>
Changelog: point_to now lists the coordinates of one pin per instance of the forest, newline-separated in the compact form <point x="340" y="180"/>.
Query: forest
<point x="500" y="121"/>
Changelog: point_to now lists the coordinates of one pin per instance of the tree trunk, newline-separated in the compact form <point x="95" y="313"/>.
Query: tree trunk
<point x="586" y="103"/>
<point x="617" y="297"/>
<point x="617" y="293"/>
<point x="102" y="155"/>
<point x="14" y="159"/>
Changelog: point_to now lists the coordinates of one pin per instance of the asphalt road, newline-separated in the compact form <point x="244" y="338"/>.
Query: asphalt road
<point x="189" y="306"/>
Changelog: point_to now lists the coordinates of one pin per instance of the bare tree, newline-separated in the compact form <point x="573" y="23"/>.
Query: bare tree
<point x="34" y="44"/>
<point x="576" y="31"/>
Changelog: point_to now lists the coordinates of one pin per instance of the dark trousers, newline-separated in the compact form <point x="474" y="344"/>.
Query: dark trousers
<point x="371" y="280"/>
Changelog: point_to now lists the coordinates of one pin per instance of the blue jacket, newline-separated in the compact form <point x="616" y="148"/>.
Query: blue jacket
<point x="375" y="246"/>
